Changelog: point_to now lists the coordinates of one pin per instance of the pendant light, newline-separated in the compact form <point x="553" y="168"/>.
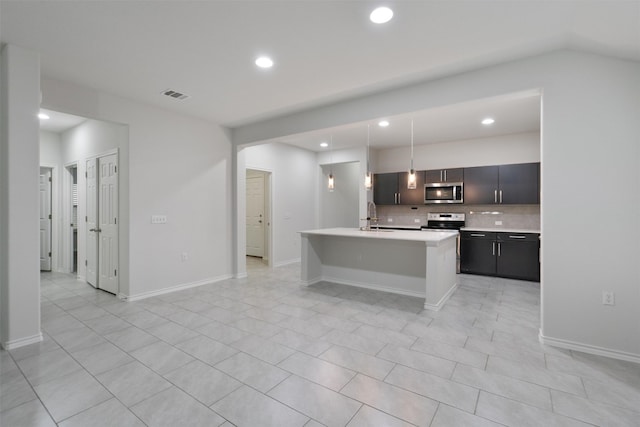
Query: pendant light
<point x="368" y="178"/>
<point x="411" y="180"/>
<point x="331" y="182"/>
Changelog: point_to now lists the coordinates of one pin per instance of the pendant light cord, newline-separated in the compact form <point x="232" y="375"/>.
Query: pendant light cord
<point x="368" y="135"/>
<point x="411" y="144"/>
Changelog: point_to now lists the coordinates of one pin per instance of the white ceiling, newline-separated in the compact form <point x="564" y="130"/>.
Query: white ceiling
<point x="324" y="51"/>
<point x="514" y="113"/>
<point x="59" y="122"/>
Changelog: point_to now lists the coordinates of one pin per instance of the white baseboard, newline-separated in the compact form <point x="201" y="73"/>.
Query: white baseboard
<point x="176" y="288"/>
<point x="586" y="348"/>
<point x="21" y="342"/>
<point x="287" y="262"/>
<point x="444" y="299"/>
<point x="312" y="281"/>
<point x="241" y="276"/>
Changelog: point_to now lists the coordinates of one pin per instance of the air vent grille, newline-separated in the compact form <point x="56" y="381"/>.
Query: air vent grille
<point x="175" y="94"/>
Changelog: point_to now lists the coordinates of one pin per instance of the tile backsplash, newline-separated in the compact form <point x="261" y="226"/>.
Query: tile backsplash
<point x="525" y="217"/>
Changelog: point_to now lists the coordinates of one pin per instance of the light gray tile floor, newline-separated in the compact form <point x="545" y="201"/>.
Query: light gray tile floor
<point x="265" y="350"/>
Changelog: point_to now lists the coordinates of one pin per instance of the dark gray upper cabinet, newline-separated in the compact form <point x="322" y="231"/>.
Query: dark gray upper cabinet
<point x="519" y="184"/>
<point x="504" y="184"/>
<point x="385" y="188"/>
<point x="391" y="189"/>
<point x="481" y="185"/>
<point x="445" y="175"/>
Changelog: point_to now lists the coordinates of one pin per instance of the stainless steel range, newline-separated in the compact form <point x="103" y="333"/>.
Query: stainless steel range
<point x="443" y="222"/>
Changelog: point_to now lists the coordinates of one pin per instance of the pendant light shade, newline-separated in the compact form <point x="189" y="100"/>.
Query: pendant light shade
<point x="411" y="180"/>
<point x="331" y="182"/>
<point x="368" y="177"/>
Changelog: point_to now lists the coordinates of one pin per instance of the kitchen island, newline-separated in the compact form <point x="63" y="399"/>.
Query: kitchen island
<point x="415" y="263"/>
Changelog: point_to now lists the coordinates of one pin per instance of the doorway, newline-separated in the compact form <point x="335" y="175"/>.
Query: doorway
<point x="45" y="218"/>
<point x="258" y="217"/>
<point x="72" y="237"/>
<point x="102" y="222"/>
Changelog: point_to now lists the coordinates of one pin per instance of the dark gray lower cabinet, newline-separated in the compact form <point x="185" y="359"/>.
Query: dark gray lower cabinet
<point x="512" y="255"/>
<point x="477" y="253"/>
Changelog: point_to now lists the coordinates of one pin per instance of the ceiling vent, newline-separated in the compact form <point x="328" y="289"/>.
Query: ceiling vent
<point x="175" y="94"/>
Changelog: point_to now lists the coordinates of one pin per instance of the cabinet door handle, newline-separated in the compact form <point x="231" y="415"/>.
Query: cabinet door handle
<point x="495" y="196"/>
<point x="500" y="196"/>
<point x="399" y="202"/>
<point x="493" y="247"/>
<point x="517" y="237"/>
<point x="440" y="175"/>
<point x="477" y="235"/>
<point x="499" y="247"/>
<point x="445" y="175"/>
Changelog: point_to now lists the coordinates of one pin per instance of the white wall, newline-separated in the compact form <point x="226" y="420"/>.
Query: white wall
<point x="359" y="155"/>
<point x="590" y="158"/>
<point x="517" y="148"/>
<point x="19" y="207"/>
<point x="340" y="207"/>
<point x="294" y="184"/>
<point x="177" y="166"/>
<point x="50" y="149"/>
<point x="590" y="153"/>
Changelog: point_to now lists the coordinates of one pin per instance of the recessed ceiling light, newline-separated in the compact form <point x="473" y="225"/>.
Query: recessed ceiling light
<point x="383" y="123"/>
<point x="488" y="121"/>
<point x="43" y="116"/>
<point x="264" y="62"/>
<point x="324" y="144"/>
<point x="381" y="15"/>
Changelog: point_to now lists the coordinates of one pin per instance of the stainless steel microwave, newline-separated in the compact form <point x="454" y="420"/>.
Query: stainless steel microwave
<point x="443" y="192"/>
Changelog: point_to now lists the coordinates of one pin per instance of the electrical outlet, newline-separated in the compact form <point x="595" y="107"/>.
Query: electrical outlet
<point x="185" y="257"/>
<point x="158" y="219"/>
<point x="416" y="220"/>
<point x="389" y="219"/>
<point x="498" y="222"/>
<point x="608" y="298"/>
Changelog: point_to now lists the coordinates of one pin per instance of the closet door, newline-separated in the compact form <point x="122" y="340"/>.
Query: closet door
<point x="108" y="223"/>
<point x="93" y="230"/>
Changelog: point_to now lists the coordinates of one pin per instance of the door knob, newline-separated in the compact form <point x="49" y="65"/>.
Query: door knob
<point x="260" y="221"/>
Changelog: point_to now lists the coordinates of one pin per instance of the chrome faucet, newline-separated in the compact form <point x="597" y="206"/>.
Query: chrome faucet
<point x="370" y="217"/>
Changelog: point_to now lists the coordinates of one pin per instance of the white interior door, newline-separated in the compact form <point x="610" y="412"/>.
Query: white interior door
<point x="255" y="216"/>
<point x="108" y="223"/>
<point x="92" y="223"/>
<point x="45" y="219"/>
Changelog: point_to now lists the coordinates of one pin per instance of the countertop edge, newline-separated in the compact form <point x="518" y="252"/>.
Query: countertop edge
<point x="500" y="230"/>
<point x="430" y="239"/>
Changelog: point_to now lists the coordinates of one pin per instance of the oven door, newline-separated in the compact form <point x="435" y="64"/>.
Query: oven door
<point x="443" y="192"/>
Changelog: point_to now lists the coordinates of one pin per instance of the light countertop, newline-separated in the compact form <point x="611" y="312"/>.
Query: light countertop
<point x="499" y="230"/>
<point x="408" y="227"/>
<point x="430" y="237"/>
